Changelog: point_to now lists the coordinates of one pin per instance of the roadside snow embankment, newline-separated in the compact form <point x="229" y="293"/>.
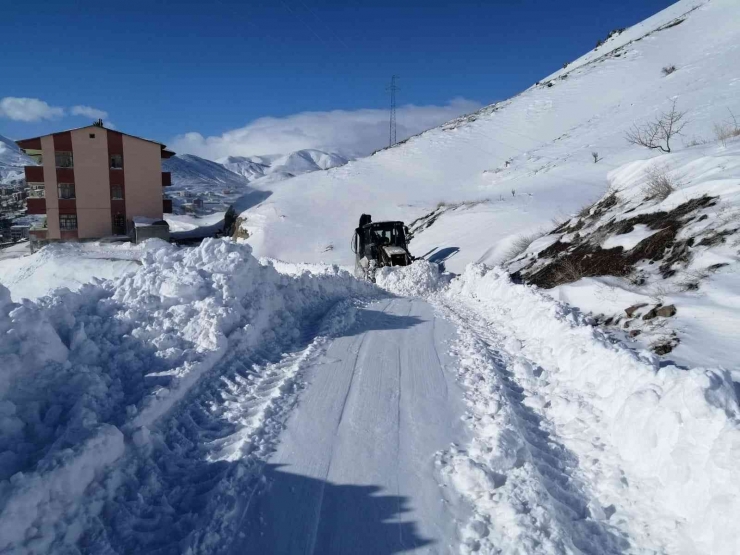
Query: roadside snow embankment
<point x="659" y="445"/>
<point x="84" y="375"/>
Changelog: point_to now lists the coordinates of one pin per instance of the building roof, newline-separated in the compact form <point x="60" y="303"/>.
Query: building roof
<point x="165" y="153"/>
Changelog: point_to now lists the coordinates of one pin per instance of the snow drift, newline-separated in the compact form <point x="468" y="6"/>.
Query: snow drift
<point x="658" y="444"/>
<point x="86" y="375"/>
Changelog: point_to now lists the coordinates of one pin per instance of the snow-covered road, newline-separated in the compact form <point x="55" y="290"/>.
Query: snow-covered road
<point x="210" y="403"/>
<point x="354" y="471"/>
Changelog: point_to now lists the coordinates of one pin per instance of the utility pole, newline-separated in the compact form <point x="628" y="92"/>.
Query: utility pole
<point x="392" y="128"/>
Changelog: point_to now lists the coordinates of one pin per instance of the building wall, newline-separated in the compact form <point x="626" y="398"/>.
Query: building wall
<point x="50" y="185"/>
<point x="142" y="168"/>
<point x="92" y="189"/>
<point x="140" y="178"/>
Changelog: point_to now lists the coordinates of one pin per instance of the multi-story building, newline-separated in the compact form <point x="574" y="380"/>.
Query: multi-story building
<point x="92" y="182"/>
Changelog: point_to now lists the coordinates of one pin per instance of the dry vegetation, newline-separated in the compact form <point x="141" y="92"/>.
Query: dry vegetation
<point x="727" y="130"/>
<point x="657" y="134"/>
<point x="659" y="184"/>
<point x="521" y="244"/>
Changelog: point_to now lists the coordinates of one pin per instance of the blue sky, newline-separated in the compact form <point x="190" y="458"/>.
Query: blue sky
<point x="162" y="69"/>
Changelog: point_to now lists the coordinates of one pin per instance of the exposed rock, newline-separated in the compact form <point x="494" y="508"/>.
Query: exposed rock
<point x="635" y="333"/>
<point x="662" y="348"/>
<point x="666" y="311"/>
<point x="630" y="311"/>
<point x="652" y="313"/>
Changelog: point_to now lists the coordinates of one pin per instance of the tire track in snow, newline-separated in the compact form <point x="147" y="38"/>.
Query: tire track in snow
<point x="187" y="488"/>
<point x="525" y="486"/>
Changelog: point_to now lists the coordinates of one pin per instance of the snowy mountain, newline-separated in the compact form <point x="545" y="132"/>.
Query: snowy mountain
<point x="222" y="183"/>
<point x="287" y="165"/>
<point x="189" y="170"/>
<point x="12" y="161"/>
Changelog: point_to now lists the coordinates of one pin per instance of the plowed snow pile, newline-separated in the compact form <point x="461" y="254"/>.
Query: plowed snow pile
<point x="601" y="447"/>
<point x="85" y="376"/>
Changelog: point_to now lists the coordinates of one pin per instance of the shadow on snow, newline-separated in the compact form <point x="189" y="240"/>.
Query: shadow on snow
<point x="298" y="514"/>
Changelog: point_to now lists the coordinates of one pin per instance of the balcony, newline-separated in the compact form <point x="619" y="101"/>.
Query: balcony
<point x="36" y="206"/>
<point x="34" y="174"/>
<point x="167" y="206"/>
<point x="166" y="179"/>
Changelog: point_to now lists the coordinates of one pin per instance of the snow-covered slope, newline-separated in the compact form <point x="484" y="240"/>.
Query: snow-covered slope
<point x="512" y="167"/>
<point x="221" y="183"/>
<point x="12" y="161"/>
<point x="189" y="170"/>
<point x="287" y="165"/>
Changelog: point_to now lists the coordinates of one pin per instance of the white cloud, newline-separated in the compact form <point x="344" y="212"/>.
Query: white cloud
<point x="355" y="133"/>
<point x="88" y="112"/>
<point x="28" y="109"/>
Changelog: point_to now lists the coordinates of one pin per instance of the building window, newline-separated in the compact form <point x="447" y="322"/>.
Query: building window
<point x="92" y="135"/>
<point x="66" y="190"/>
<point x="36" y="155"/>
<point x="116" y="192"/>
<point x="116" y="161"/>
<point x="36" y="190"/>
<point x="119" y="222"/>
<point x="67" y="221"/>
<point x="64" y="159"/>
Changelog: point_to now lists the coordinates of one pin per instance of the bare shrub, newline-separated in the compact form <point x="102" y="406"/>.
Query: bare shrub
<point x="595" y="156"/>
<point x="585" y="211"/>
<point x="569" y="271"/>
<point x="659" y="185"/>
<point x="521" y="244"/>
<point x="667" y="70"/>
<point x="658" y="134"/>
<point x="727" y="130"/>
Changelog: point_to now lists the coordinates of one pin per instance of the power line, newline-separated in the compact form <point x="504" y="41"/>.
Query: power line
<point x="392" y="124"/>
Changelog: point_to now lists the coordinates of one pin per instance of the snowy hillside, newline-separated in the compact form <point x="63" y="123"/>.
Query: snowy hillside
<point x="219" y="184"/>
<point x="511" y="168"/>
<point x="12" y="161"/>
<point x="294" y="163"/>
<point x="192" y="171"/>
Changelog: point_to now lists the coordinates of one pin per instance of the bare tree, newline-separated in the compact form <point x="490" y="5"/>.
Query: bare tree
<point x="657" y="134"/>
<point x="595" y="156"/>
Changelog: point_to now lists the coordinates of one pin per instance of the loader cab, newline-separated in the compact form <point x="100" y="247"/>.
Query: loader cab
<point x="372" y="236"/>
<point x="378" y="244"/>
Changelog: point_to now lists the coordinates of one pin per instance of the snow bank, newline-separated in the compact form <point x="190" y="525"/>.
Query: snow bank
<point x="84" y="374"/>
<point x="420" y="279"/>
<point x="659" y="444"/>
<point x="70" y="265"/>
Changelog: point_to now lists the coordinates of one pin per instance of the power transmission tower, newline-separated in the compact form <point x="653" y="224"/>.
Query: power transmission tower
<point x="392" y="128"/>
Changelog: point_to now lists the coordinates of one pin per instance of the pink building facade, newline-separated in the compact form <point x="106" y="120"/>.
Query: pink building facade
<point x="92" y="182"/>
